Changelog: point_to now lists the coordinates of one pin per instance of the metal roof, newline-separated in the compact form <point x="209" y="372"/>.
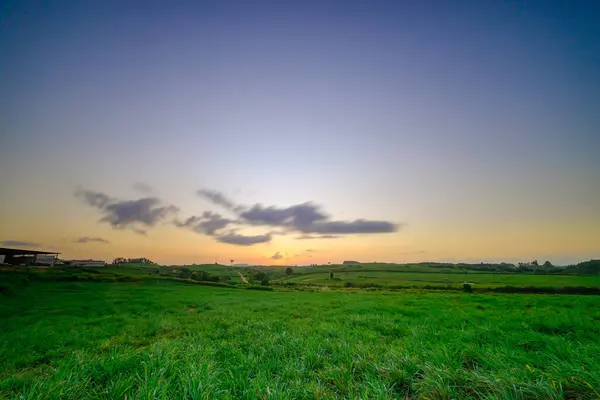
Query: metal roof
<point x="6" y="251"/>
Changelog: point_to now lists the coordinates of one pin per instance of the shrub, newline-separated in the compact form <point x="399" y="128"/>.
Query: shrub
<point x="289" y="271"/>
<point x="260" y="276"/>
<point x="267" y="288"/>
<point x="185" y="273"/>
<point x="467" y="288"/>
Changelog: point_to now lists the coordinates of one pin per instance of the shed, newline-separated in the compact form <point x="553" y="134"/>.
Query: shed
<point x="28" y="257"/>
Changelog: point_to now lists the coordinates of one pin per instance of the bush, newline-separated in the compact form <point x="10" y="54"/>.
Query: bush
<point x="289" y="271"/>
<point x="260" y="276"/>
<point x="264" y="282"/>
<point x="185" y="273"/>
<point x="467" y="288"/>
<point x="267" y="288"/>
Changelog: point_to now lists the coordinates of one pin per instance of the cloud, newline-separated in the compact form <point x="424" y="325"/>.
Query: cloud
<point x="297" y="216"/>
<point x="308" y="218"/>
<point x="122" y="214"/>
<point x="241" y="240"/>
<point x="142" y="187"/>
<point x="349" y="227"/>
<point x="86" y="239"/>
<point x="311" y="250"/>
<point x="209" y="223"/>
<point x="217" y="198"/>
<point x="276" y="256"/>
<point x="404" y="253"/>
<point x="18" y="243"/>
<point x="310" y="237"/>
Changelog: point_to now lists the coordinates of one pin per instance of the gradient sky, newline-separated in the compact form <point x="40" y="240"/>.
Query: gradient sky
<point x="469" y="129"/>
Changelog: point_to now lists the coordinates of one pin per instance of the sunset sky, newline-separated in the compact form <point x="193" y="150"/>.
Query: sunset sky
<point x="393" y="131"/>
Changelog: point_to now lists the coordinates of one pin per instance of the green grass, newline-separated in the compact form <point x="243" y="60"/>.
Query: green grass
<point x="488" y="280"/>
<point x="157" y="339"/>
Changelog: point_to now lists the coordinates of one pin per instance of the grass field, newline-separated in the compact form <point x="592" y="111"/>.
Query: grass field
<point x="155" y="339"/>
<point x="391" y="277"/>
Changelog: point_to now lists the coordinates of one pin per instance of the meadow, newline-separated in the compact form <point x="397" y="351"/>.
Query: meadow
<point x="164" y="339"/>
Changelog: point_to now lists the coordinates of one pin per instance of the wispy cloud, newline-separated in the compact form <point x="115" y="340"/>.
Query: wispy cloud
<point x="142" y="187"/>
<point x="306" y="218"/>
<point x="146" y="212"/>
<point x="217" y="198"/>
<point x="209" y="223"/>
<point x="16" y="243"/>
<point x="242" y="240"/>
<point x="276" y="256"/>
<point x="311" y="237"/>
<point x="86" y="239"/>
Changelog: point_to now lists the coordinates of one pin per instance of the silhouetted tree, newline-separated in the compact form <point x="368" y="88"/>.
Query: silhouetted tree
<point x="289" y="271"/>
<point x="330" y="274"/>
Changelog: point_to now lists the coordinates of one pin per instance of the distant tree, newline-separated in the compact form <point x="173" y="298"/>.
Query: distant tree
<point x="185" y="273"/>
<point x="535" y="263"/>
<point x="260" y="276"/>
<point x="548" y="264"/>
<point x="330" y="274"/>
<point x="289" y="271"/>
<point x="467" y="288"/>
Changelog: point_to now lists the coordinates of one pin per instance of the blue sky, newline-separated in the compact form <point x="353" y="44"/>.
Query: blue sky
<point x="472" y="127"/>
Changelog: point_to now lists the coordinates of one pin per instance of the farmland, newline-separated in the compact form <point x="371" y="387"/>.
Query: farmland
<point x="133" y="332"/>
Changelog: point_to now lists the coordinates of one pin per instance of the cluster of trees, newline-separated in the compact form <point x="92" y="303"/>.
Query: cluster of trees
<point x="123" y="260"/>
<point x="591" y="267"/>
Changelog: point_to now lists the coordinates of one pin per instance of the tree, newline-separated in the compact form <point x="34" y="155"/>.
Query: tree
<point x="535" y="263"/>
<point x="548" y="264"/>
<point x="467" y="288"/>
<point x="185" y="273"/>
<point x="260" y="276"/>
<point x="289" y="271"/>
<point x="330" y="274"/>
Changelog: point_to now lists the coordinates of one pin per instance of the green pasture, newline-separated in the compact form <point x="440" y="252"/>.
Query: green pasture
<point x="161" y="339"/>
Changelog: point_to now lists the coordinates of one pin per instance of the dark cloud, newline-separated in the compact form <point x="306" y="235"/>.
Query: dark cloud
<point x="276" y="256"/>
<point x="86" y="239"/>
<point x="216" y="197"/>
<point x="143" y="187"/>
<point x="18" y="243"/>
<point x="241" y="240"/>
<point x="310" y="237"/>
<point x="308" y="218"/>
<point x="209" y="223"/>
<point x="127" y="213"/>
<point x="349" y="227"/>
<point x="295" y="217"/>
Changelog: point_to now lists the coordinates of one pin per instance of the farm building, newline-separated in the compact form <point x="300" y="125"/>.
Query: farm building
<point x="27" y="257"/>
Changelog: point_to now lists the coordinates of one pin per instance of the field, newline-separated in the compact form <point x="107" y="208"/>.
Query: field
<point x="164" y="339"/>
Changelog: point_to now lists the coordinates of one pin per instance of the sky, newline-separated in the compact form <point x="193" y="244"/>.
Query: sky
<point x="319" y="131"/>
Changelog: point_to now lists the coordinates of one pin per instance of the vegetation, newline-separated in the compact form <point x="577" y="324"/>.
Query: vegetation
<point x="133" y="331"/>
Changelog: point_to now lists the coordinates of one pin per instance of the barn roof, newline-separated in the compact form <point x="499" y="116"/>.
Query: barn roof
<point x="4" y="251"/>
